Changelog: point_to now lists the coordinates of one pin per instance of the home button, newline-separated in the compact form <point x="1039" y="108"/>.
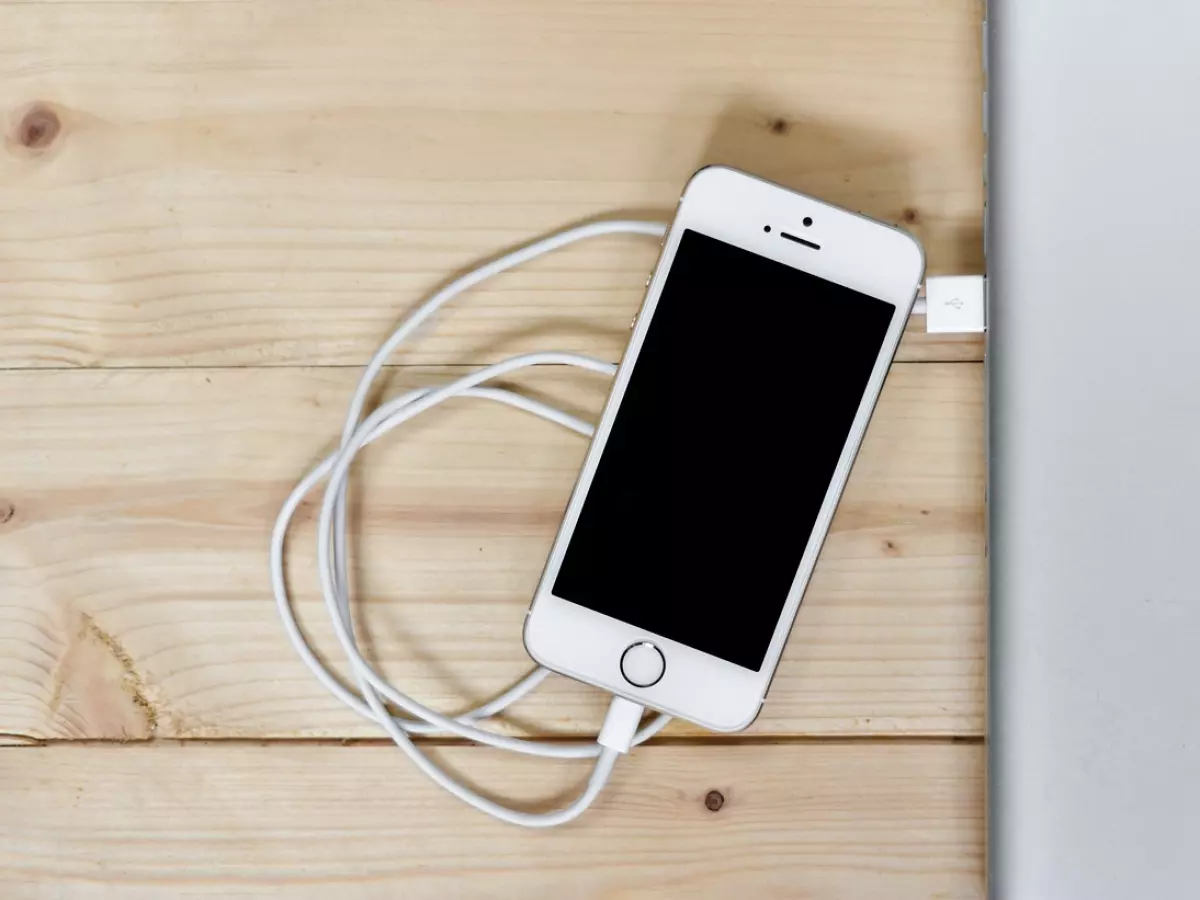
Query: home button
<point x="643" y="664"/>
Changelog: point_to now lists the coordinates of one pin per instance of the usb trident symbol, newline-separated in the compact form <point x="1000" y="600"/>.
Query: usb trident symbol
<point x="955" y="303"/>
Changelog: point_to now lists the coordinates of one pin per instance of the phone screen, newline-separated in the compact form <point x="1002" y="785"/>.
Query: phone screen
<point x="733" y="420"/>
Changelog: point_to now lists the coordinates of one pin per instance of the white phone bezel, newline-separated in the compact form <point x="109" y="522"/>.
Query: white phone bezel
<point x="857" y="252"/>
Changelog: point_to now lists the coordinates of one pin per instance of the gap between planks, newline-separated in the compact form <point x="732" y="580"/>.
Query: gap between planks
<point x="14" y="741"/>
<point x="300" y="367"/>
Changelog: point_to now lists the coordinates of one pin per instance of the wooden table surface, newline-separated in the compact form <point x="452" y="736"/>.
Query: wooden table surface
<point x="212" y="212"/>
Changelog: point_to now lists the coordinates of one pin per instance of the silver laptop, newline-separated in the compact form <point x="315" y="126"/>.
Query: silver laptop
<point x="1093" y="248"/>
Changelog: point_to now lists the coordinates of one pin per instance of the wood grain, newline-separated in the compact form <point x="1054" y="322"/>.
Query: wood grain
<point x="214" y="184"/>
<point x="133" y="556"/>
<point x="194" y="196"/>
<point x="884" y="819"/>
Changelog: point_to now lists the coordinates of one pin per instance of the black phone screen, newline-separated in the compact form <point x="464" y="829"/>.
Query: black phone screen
<point x="735" y="415"/>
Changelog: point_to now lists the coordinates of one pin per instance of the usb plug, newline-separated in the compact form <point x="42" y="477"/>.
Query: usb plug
<point x="955" y="304"/>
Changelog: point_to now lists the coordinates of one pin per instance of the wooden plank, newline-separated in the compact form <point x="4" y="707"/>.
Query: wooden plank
<point x="884" y="819"/>
<point x="277" y="182"/>
<point x="137" y="506"/>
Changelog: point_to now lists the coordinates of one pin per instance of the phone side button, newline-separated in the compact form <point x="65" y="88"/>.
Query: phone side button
<point x="643" y="664"/>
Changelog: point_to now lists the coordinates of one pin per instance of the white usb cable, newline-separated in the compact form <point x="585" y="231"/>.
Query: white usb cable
<point x="621" y="726"/>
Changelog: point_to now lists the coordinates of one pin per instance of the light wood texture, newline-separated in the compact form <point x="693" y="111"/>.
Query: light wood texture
<point x="885" y="819"/>
<point x="191" y="193"/>
<point x="278" y="181"/>
<point x="133" y="559"/>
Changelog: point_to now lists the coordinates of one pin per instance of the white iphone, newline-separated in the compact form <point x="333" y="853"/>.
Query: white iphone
<point x="735" y="416"/>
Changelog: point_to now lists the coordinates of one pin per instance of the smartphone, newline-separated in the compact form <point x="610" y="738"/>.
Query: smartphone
<point x="752" y="371"/>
